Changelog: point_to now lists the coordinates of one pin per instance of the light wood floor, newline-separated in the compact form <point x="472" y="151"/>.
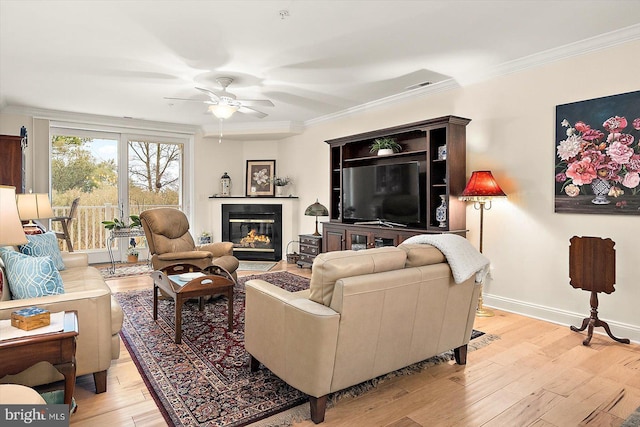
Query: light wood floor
<point x="538" y="374"/>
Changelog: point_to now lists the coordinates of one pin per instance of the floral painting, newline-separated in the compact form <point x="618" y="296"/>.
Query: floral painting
<point x="260" y="175"/>
<point x="598" y="156"/>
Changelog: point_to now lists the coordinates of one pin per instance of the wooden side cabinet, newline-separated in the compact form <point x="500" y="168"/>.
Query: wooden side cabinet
<point x="11" y="155"/>
<point x="310" y="247"/>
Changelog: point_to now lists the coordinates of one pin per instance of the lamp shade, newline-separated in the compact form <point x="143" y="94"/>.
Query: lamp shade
<point x="34" y="206"/>
<point x="316" y="209"/>
<point x="11" y="232"/>
<point x="481" y="186"/>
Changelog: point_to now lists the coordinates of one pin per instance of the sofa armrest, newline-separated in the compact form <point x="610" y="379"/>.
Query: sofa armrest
<point x="93" y="352"/>
<point x="277" y="333"/>
<point x="75" y="259"/>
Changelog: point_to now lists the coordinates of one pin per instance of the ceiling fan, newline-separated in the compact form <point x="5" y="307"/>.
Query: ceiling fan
<point x="223" y="104"/>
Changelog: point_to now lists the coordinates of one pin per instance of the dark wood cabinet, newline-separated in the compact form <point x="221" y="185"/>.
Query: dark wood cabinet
<point x="310" y="247"/>
<point x="439" y="178"/>
<point x="11" y="155"/>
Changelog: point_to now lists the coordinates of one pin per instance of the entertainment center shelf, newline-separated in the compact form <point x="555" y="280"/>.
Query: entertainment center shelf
<point x="405" y="187"/>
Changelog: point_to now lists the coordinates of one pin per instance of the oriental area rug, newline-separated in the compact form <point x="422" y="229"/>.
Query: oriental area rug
<point x="206" y="380"/>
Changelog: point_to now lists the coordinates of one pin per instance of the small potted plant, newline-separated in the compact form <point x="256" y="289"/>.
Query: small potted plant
<point x="280" y="183"/>
<point x="117" y="224"/>
<point x="385" y="146"/>
<point x="132" y="254"/>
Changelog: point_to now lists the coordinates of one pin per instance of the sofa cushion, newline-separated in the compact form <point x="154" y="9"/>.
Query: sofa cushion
<point x="331" y="266"/>
<point x="31" y="277"/>
<point x="420" y="254"/>
<point x="45" y="244"/>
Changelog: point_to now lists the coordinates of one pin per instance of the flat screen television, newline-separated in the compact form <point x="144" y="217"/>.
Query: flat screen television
<point x="385" y="192"/>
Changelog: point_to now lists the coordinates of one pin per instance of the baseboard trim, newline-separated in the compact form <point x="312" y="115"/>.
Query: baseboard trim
<point x="560" y="317"/>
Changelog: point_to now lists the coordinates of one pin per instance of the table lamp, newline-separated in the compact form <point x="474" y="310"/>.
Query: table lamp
<point x="316" y="210"/>
<point x="33" y="206"/>
<point x="11" y="233"/>
<point x="480" y="189"/>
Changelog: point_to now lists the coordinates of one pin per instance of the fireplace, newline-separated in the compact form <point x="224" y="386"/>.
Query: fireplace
<point x="255" y="230"/>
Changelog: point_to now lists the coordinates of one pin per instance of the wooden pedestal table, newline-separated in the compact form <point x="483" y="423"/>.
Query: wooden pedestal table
<point x="57" y="348"/>
<point x="211" y="281"/>
<point x="592" y="267"/>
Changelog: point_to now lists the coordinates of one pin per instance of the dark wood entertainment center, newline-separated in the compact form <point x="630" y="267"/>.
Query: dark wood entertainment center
<point x="420" y="142"/>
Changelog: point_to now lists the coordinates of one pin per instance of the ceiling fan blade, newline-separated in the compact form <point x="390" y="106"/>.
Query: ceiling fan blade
<point x="256" y="102"/>
<point x="203" y="101"/>
<point x="186" y="99"/>
<point x="250" y="111"/>
<point x="210" y="93"/>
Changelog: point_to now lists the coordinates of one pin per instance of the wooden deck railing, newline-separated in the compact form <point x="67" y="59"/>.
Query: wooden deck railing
<point x="87" y="231"/>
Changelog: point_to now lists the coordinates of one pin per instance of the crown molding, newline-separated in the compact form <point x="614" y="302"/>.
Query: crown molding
<point x="93" y="119"/>
<point x="582" y="47"/>
<point x="253" y="130"/>
<point x="441" y="86"/>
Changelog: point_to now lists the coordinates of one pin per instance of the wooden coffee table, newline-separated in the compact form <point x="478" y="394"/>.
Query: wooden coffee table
<point x="216" y="281"/>
<point x="57" y="348"/>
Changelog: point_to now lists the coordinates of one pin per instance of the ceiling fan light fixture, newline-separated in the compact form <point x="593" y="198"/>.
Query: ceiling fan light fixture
<point x="223" y="111"/>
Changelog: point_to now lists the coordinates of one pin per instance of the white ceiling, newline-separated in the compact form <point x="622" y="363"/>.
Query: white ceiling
<point x="121" y="58"/>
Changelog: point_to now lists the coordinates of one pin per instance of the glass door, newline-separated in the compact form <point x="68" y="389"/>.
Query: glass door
<point x="85" y="166"/>
<point x="89" y="165"/>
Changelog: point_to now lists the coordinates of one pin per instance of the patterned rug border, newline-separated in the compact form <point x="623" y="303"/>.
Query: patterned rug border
<point x="124" y="270"/>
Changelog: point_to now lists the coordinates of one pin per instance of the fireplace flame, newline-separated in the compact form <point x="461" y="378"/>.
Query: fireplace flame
<point x="253" y="237"/>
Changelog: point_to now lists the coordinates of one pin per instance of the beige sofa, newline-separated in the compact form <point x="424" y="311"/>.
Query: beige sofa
<point x="366" y="313"/>
<point x="99" y="322"/>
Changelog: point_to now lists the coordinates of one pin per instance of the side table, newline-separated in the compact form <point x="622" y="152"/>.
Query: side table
<point x="121" y="232"/>
<point x="57" y="348"/>
<point x="310" y="247"/>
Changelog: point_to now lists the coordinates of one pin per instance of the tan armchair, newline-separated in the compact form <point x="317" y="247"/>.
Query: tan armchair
<point x="169" y="240"/>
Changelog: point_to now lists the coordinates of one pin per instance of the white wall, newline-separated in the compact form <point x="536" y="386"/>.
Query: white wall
<point x="512" y="134"/>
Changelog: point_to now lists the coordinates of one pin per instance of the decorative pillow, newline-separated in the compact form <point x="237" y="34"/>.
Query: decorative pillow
<point x="45" y="244"/>
<point x="29" y="276"/>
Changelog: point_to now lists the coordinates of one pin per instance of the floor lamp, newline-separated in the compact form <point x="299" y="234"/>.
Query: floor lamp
<point x="480" y="189"/>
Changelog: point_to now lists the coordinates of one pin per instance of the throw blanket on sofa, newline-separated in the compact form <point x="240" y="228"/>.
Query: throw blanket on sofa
<point x="463" y="258"/>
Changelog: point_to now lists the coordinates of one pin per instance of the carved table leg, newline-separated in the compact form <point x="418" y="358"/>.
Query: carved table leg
<point x="593" y="321"/>
<point x="605" y="325"/>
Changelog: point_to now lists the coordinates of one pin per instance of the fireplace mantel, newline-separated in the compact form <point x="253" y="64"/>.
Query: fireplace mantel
<point x="290" y="227"/>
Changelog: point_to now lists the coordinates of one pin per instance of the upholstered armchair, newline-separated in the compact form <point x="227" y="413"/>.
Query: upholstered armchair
<point x="169" y="240"/>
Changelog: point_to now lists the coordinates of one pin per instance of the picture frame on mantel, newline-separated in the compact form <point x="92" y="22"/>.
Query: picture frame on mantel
<point x="260" y="174"/>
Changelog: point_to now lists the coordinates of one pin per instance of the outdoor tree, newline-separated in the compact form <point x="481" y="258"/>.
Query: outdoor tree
<point x="154" y="166"/>
<point x="74" y="167"/>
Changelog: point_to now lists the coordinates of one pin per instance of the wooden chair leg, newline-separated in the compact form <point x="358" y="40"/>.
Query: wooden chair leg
<point x="100" y="380"/>
<point x="318" y="407"/>
<point x="460" y="355"/>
